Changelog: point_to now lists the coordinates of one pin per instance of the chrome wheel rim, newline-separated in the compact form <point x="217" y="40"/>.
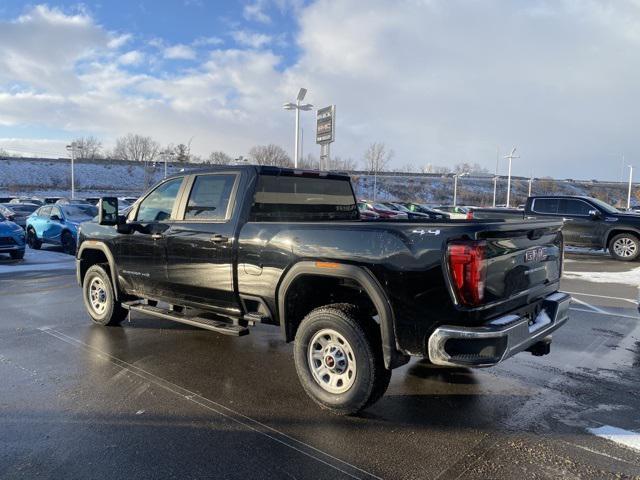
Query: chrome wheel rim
<point x="97" y="295"/>
<point x="625" y="247"/>
<point x="332" y="361"/>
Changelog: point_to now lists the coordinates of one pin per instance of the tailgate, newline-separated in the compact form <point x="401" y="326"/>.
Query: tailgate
<point x="522" y="258"/>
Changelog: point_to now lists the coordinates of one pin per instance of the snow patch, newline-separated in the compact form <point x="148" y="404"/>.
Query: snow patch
<point x="622" y="437"/>
<point x="632" y="277"/>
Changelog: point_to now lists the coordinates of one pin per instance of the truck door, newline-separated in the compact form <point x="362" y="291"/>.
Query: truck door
<point x="200" y="244"/>
<point x="142" y="253"/>
<point x="580" y="229"/>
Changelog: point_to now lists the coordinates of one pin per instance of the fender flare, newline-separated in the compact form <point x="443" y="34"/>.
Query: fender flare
<point x="392" y="356"/>
<point x="622" y="229"/>
<point x="101" y="246"/>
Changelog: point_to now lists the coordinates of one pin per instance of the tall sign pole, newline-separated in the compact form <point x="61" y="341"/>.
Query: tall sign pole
<point x="325" y="133"/>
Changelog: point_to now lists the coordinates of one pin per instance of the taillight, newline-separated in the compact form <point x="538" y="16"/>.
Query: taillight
<point x="470" y="215"/>
<point x="468" y="267"/>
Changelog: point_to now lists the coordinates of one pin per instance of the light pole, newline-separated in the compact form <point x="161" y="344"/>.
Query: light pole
<point x="71" y="148"/>
<point x="495" y="189"/>
<point x="297" y="107"/>
<point x="530" y="184"/>
<point x="511" y="156"/>
<point x="166" y="154"/>
<point x="630" y="183"/>
<point x="455" y="186"/>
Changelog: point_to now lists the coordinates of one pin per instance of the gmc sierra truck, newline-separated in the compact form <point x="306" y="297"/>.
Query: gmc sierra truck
<point x="226" y="248"/>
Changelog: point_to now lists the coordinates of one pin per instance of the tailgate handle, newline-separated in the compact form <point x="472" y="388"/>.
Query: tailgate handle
<point x="156" y="236"/>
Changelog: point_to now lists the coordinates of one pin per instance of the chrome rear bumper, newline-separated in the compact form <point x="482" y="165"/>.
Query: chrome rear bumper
<point x="498" y="339"/>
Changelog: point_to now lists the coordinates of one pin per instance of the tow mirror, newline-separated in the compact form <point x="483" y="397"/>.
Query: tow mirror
<point x="108" y="211"/>
<point x="594" y="214"/>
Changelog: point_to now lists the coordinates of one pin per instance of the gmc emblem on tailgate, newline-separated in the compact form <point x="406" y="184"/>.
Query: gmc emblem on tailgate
<point x="535" y="255"/>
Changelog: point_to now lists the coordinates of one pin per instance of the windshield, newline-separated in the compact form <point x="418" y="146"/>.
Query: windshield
<point x="605" y="206"/>
<point x="79" y="213"/>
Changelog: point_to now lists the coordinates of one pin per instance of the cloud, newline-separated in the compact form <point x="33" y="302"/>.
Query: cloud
<point x="179" y="52"/>
<point x="439" y="82"/>
<point x="251" y="39"/>
<point x="255" y="12"/>
<point x="134" y="57"/>
<point x="207" y="41"/>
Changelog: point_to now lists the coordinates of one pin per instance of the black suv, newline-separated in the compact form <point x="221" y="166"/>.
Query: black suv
<point x="590" y="223"/>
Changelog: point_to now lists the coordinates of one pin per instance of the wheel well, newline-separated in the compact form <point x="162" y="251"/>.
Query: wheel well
<point x="92" y="257"/>
<point x="613" y="233"/>
<point x="310" y="291"/>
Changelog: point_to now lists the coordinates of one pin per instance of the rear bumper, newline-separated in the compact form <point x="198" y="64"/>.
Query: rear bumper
<point x="498" y="339"/>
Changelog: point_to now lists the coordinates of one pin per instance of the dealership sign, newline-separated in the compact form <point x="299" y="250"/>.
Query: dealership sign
<point x="326" y="125"/>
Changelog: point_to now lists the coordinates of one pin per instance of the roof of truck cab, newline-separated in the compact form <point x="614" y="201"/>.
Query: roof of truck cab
<point x="582" y="197"/>
<point x="264" y="169"/>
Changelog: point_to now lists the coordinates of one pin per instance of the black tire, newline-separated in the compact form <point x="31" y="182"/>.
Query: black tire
<point x="32" y="239"/>
<point x="97" y="282"/>
<point x="68" y="243"/>
<point x="625" y="247"/>
<point x="362" y="337"/>
<point x="17" y="255"/>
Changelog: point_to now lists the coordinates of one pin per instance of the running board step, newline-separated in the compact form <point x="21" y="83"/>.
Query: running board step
<point x="220" y="326"/>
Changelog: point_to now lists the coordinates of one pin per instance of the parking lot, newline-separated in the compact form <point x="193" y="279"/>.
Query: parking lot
<point x="153" y="397"/>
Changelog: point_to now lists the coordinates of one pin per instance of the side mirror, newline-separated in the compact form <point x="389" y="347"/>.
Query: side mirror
<point x="594" y="214"/>
<point x="108" y="211"/>
<point x="55" y="217"/>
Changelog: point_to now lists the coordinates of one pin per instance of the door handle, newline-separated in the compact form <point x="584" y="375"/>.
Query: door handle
<point x="156" y="236"/>
<point x="218" y="238"/>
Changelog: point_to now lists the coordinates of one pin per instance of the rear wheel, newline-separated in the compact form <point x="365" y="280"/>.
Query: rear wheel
<point x="338" y="357"/>
<point x="99" y="297"/>
<point x="32" y="239"/>
<point x="625" y="247"/>
<point x="68" y="243"/>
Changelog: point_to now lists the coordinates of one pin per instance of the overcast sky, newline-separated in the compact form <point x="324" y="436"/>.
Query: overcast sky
<point x="439" y="81"/>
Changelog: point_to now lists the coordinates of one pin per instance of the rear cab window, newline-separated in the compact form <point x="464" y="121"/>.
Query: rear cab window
<point x="297" y="198"/>
<point x="210" y="197"/>
<point x="546" y="205"/>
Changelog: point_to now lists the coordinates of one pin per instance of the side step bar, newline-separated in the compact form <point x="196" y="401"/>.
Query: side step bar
<point x="220" y="326"/>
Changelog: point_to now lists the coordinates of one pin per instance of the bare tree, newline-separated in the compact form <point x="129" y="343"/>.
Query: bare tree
<point x="377" y="157"/>
<point x="136" y="148"/>
<point x="469" y="167"/>
<point x="342" y="164"/>
<point x="88" y="148"/>
<point x="270" y="155"/>
<point x="219" y="158"/>
<point x="310" y="162"/>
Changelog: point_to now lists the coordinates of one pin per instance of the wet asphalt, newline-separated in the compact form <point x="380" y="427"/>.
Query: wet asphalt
<point x="154" y="399"/>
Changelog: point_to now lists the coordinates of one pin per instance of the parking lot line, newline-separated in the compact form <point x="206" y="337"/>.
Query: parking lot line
<point x="635" y="302"/>
<point x="588" y="305"/>
<point x="213" y="406"/>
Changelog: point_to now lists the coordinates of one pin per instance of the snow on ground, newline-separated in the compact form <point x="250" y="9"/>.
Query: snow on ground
<point x="631" y="277"/>
<point x="37" y="260"/>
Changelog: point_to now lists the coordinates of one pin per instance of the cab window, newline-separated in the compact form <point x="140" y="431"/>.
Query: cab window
<point x="55" y="211"/>
<point x="157" y="206"/>
<point x="210" y="196"/>
<point x="575" y="207"/>
<point x="546" y="205"/>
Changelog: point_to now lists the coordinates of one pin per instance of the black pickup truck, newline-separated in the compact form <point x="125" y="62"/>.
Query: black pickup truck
<point x="226" y="248"/>
<point x="590" y="223"/>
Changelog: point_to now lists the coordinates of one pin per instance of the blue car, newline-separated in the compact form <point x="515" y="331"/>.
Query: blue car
<point x="58" y="224"/>
<point x="11" y="238"/>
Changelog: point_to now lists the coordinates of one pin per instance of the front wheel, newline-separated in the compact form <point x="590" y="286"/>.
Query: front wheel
<point x="99" y="297"/>
<point x="32" y="239"/>
<point x="68" y="243"/>
<point x="625" y="247"/>
<point x="338" y="357"/>
<point x="17" y="255"/>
